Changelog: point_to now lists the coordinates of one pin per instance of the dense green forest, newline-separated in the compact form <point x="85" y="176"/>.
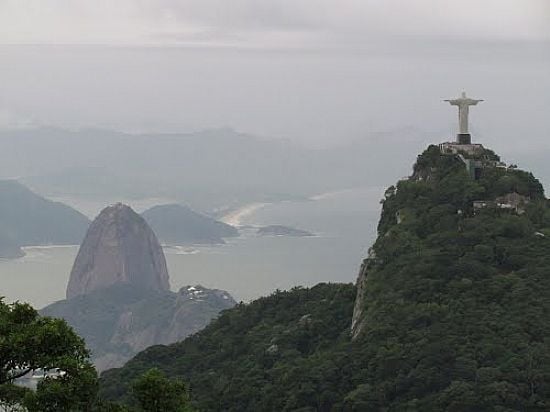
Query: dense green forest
<point x="453" y="312"/>
<point x="268" y="355"/>
<point x="455" y="299"/>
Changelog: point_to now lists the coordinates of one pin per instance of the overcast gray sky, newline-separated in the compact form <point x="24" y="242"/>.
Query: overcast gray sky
<point x="265" y="23"/>
<point x="314" y="71"/>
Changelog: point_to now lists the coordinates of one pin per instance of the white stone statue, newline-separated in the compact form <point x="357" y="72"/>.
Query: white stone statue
<point x="463" y="104"/>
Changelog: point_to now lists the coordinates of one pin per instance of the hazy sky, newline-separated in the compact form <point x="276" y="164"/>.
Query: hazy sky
<point x="314" y="71"/>
<point x="262" y="23"/>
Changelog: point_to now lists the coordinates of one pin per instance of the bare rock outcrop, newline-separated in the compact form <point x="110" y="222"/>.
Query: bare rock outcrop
<point x="119" y="298"/>
<point x="119" y="248"/>
<point x="357" y="321"/>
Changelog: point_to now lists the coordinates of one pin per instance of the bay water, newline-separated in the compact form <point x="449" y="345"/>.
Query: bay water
<point x="250" y="266"/>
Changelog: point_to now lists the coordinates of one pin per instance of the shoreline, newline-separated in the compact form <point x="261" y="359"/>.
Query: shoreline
<point x="236" y="217"/>
<point x="48" y="247"/>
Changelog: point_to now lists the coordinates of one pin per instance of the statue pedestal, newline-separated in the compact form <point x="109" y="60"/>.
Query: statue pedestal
<point x="464" y="138"/>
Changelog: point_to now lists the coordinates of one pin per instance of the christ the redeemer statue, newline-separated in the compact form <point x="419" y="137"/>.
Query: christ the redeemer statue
<point x="463" y="104"/>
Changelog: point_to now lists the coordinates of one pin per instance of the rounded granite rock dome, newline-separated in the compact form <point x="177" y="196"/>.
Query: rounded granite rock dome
<point x="119" y="248"/>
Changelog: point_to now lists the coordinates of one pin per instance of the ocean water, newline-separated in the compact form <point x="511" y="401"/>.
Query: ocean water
<point x="344" y="224"/>
<point x="40" y="277"/>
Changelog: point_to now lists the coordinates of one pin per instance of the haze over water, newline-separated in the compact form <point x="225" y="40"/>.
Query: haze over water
<point x="249" y="266"/>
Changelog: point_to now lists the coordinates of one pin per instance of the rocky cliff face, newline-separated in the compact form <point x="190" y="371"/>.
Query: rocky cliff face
<point x="119" y="248"/>
<point x="119" y="298"/>
<point x="357" y="321"/>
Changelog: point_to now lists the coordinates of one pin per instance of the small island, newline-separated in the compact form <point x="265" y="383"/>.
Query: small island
<point x="279" y="230"/>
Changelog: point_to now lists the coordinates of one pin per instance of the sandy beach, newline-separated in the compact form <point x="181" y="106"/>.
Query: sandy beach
<point x="236" y="217"/>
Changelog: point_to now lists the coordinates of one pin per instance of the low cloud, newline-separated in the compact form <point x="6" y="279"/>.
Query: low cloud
<point x="10" y="120"/>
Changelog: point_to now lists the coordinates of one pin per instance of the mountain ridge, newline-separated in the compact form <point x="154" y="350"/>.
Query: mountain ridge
<point x="176" y="224"/>
<point x="192" y="167"/>
<point x="27" y="219"/>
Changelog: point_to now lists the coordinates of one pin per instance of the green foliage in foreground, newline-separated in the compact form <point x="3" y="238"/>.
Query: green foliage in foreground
<point x="454" y="314"/>
<point x="28" y="342"/>
<point x="154" y="392"/>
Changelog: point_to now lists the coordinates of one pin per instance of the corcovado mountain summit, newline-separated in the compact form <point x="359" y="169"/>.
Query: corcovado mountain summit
<point x="449" y="312"/>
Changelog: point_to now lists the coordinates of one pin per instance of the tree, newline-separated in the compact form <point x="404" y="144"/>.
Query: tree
<point x="156" y="393"/>
<point x="10" y="398"/>
<point x="29" y="342"/>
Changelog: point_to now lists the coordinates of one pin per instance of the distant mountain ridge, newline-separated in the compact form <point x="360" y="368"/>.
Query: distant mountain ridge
<point x="207" y="169"/>
<point x="179" y="225"/>
<point x="27" y="219"/>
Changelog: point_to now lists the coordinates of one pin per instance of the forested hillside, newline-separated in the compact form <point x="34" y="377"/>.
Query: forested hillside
<point x="451" y="311"/>
<point x="276" y="353"/>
